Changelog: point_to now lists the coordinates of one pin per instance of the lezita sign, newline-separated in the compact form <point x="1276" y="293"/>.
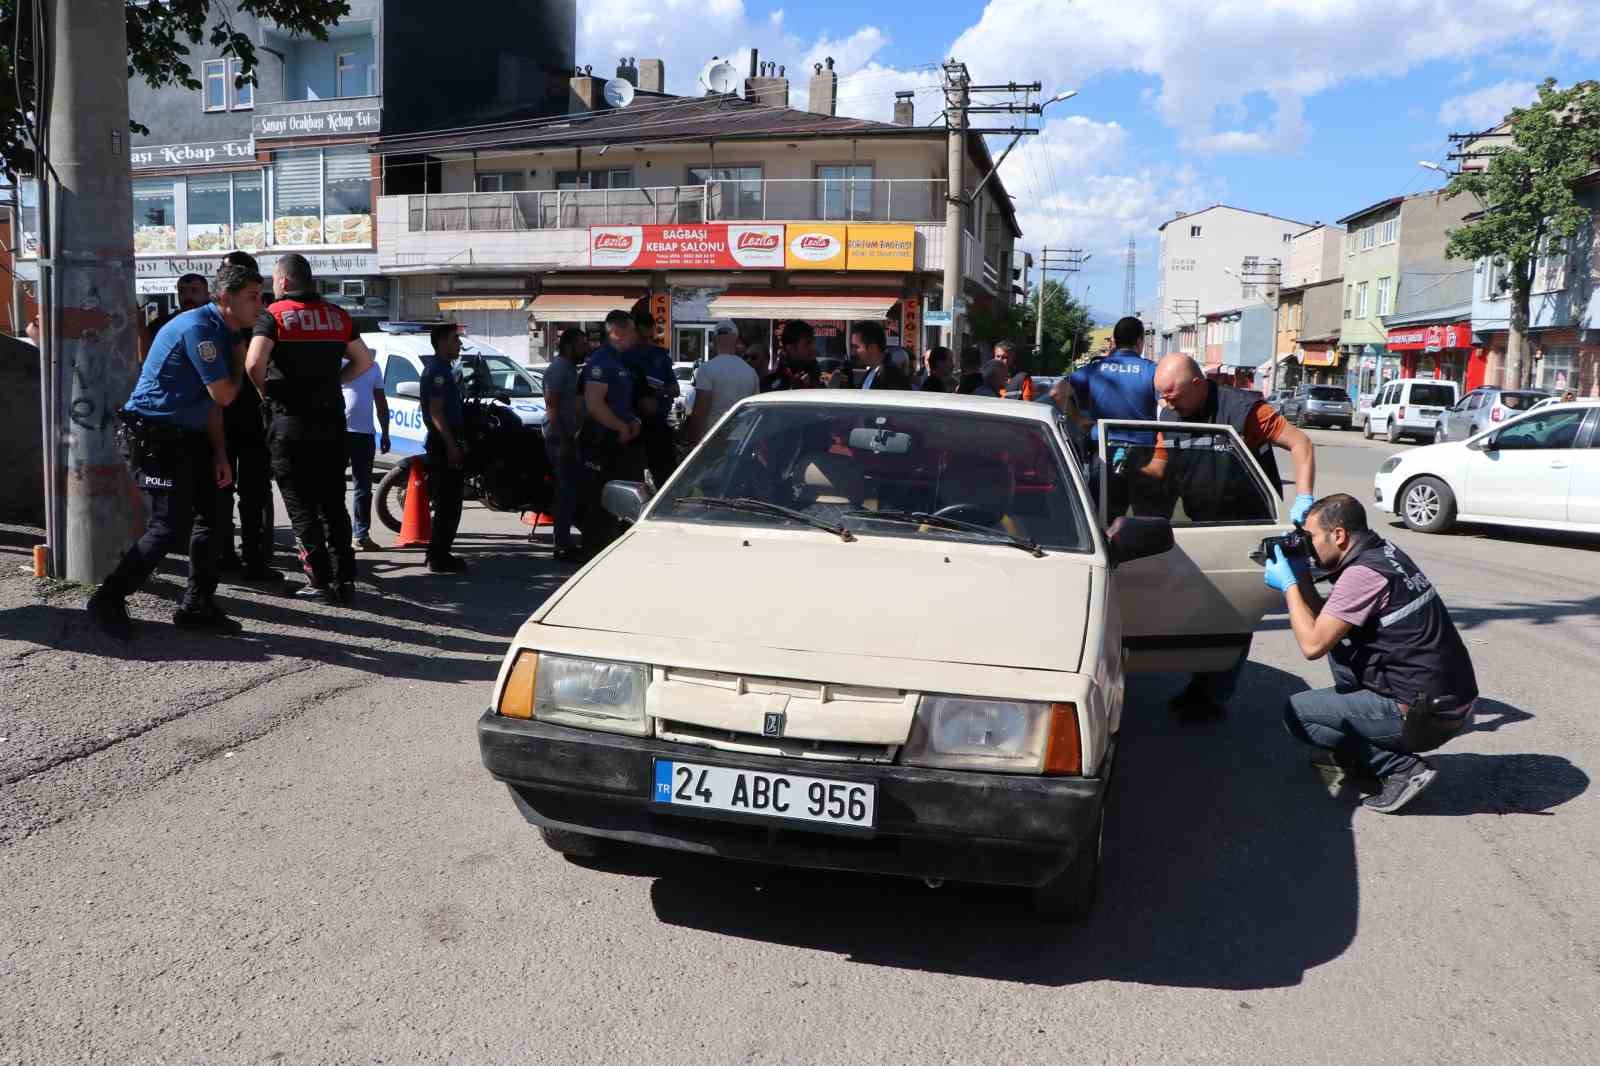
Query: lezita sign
<point x="816" y="247"/>
<point x="717" y="246"/>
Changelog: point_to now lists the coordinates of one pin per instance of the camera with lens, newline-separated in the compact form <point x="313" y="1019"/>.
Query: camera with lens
<point x="1296" y="542"/>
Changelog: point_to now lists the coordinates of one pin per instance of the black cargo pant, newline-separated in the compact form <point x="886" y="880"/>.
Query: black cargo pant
<point x="308" y="460"/>
<point x="660" y="451"/>
<point x="173" y="472"/>
<point x="445" y="489"/>
<point x="252" y="485"/>
<point x="602" y="459"/>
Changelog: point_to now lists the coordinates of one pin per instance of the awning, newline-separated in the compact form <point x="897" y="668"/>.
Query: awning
<point x="482" y="303"/>
<point x="576" y="307"/>
<point x="806" y="305"/>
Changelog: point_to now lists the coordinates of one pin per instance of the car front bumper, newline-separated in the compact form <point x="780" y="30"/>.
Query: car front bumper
<point x="1384" y="488"/>
<point x="1011" y="829"/>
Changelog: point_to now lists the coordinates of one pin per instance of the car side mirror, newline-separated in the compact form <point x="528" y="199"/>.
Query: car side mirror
<point x="1138" y="538"/>
<point x="624" y="500"/>
<point x="1483" y="444"/>
<point x="411" y="390"/>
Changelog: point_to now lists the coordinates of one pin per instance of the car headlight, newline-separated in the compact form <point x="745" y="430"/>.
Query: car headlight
<point x="567" y="690"/>
<point x="959" y="733"/>
<point x="1389" y="465"/>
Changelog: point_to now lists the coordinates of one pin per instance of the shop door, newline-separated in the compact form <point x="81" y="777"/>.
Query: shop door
<point x="691" y="344"/>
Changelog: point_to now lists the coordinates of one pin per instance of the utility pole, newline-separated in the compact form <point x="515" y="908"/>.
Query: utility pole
<point x="1067" y="261"/>
<point x="1192" y="309"/>
<point x="1268" y="275"/>
<point x="956" y="99"/>
<point x="1130" y="266"/>
<point x="87" y="267"/>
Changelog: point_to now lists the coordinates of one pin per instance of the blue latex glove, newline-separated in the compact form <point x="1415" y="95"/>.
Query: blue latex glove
<point x="1281" y="573"/>
<point x="1302" y="504"/>
<point x="1118" y="456"/>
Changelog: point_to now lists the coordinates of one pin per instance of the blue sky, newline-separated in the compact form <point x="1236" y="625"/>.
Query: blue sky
<point x="1305" y="108"/>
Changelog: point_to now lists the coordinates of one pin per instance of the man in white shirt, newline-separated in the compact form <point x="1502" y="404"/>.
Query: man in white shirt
<point x="720" y="382"/>
<point x="361" y="396"/>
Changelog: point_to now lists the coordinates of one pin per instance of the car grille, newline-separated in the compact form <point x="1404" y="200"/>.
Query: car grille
<point x="755" y="744"/>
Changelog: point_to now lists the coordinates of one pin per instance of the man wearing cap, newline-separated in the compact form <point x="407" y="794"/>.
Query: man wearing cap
<point x="720" y="382"/>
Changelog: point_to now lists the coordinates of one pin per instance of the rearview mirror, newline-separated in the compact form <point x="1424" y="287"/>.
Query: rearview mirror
<point x="880" y="441"/>
<point x="624" y="500"/>
<point x="411" y="390"/>
<point x="1138" y="538"/>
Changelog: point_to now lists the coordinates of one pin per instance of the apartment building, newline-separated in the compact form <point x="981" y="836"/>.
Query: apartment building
<point x="728" y="205"/>
<point x="1315" y="255"/>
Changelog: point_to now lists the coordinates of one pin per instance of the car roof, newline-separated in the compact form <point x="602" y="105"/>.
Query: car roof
<point x="420" y="344"/>
<point x="890" y="399"/>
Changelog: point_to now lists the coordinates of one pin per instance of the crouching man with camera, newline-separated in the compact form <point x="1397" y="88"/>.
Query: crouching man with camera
<point x="1402" y="680"/>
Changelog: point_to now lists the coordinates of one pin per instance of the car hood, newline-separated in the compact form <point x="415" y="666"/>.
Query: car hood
<point x="809" y="592"/>
<point x="531" y="412"/>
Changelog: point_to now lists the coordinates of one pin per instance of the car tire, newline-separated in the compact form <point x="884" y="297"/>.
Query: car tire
<point x="573" y="845"/>
<point x="1438" y="436"/>
<point x="1069" y="896"/>
<point x="1427" y="505"/>
<point x="1393" y="433"/>
<point x="391" y="495"/>
<point x="1300" y="418"/>
<point x="1366" y="428"/>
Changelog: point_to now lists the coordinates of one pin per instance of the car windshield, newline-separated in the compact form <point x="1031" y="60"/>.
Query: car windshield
<point x="1433" y="395"/>
<point x="504" y="375"/>
<point x="684" y="373"/>
<point x="928" y="474"/>
<point x="1328" y="394"/>
<point x="1518" y="401"/>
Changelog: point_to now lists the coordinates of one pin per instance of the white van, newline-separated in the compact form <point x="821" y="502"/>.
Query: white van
<point x="400" y="348"/>
<point x="1409" y="407"/>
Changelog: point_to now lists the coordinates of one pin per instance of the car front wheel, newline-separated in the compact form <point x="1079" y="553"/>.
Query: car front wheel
<point x="1366" y="427"/>
<point x="573" y="845"/>
<point x="1427" y="505"/>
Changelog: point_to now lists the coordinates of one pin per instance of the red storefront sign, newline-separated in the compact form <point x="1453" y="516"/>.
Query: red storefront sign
<point x="722" y="246"/>
<point x="1430" y="338"/>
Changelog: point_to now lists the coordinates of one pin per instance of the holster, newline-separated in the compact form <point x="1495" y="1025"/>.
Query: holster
<point x="1432" y="720"/>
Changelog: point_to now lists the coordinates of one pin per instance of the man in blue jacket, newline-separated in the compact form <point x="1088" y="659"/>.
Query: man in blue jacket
<point x="1119" y="385"/>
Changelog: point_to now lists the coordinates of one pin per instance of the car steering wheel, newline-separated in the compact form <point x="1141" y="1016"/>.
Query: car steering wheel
<point x="970" y="512"/>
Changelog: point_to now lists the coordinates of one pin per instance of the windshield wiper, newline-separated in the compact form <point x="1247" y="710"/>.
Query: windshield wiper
<point x="754" y="506"/>
<point x="922" y="518"/>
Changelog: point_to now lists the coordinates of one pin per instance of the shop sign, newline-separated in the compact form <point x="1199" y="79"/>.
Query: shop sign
<point x="194" y="154"/>
<point x="882" y="248"/>
<point x="911" y="314"/>
<point x="661" y="311"/>
<point x="1430" y="338"/>
<point x="937" y="318"/>
<point x="722" y="246"/>
<point x="815" y="247"/>
<point x="348" y="120"/>
<point x="172" y="267"/>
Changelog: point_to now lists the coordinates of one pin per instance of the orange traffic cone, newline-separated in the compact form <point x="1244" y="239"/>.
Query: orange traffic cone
<point x="416" y="528"/>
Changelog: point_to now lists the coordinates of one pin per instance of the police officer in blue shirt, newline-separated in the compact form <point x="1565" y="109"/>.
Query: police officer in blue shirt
<point x="1121" y="385"/>
<point x="655" y="387"/>
<point x="440" y="398"/>
<point x="606" y="444"/>
<point x="176" y="447"/>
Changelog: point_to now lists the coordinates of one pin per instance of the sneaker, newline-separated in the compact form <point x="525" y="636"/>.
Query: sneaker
<point x="208" y="617"/>
<point x="326" y="593"/>
<point x="366" y="544"/>
<point x="569" y="554"/>
<point x="1401" y="788"/>
<point x="109" y="614"/>
<point x="262" y="573"/>
<point x="450" y="564"/>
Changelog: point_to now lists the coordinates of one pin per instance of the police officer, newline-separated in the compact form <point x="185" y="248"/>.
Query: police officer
<point x="300" y="342"/>
<point x="440" y="396"/>
<point x="1403" y="680"/>
<point x="1121" y="385"/>
<point x="655" y="387"/>
<point x="1211" y="492"/>
<point x="607" y="441"/>
<point x="179" y="457"/>
<point x="252" y="472"/>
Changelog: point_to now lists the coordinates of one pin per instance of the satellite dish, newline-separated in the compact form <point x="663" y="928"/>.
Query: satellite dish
<point x="720" y="76"/>
<point x="619" y="92"/>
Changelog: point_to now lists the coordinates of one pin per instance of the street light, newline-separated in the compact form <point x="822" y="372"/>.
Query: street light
<point x="1065" y="94"/>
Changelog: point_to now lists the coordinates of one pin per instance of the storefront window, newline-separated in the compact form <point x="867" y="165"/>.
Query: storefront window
<point x="322" y="196"/>
<point x="297" y="198"/>
<point x="348" y="201"/>
<point x="1558" y="370"/>
<point x="210" y="225"/>
<point x="155" y="216"/>
<point x="249" y="211"/>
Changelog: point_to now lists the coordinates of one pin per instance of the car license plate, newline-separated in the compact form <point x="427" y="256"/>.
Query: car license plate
<point x="850" y="804"/>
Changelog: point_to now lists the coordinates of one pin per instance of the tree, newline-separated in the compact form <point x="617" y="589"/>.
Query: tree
<point x="157" y="30"/>
<point x="1067" y="324"/>
<point x="1526" y="190"/>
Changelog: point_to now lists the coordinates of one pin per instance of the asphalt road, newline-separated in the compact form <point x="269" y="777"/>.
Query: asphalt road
<point x="282" y="848"/>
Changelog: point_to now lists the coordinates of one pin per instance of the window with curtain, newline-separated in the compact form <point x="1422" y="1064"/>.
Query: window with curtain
<point x="348" y="196"/>
<point x="297" y="198"/>
<point x="249" y="211"/>
<point x="210" y="221"/>
<point x="735" y="192"/>
<point x="844" y="192"/>
<point x="155" y="215"/>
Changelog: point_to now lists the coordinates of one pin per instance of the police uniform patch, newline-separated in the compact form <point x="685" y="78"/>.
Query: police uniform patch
<point x="438" y="379"/>
<point x="208" y="351"/>
<point x="597" y="373"/>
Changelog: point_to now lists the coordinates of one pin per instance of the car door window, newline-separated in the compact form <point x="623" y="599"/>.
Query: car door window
<point x="398" y="372"/>
<point x="1475" y="401"/>
<point x="1543" y="431"/>
<point x="1191" y="475"/>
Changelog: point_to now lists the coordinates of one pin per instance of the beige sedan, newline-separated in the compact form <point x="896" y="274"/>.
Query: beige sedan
<point x="882" y="632"/>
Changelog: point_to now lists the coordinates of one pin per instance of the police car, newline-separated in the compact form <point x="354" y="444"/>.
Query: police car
<point x="400" y="348"/>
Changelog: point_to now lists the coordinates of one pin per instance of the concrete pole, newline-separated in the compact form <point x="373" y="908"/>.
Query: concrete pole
<point x="1038" y="318"/>
<point x="91" y="290"/>
<point x="955" y="117"/>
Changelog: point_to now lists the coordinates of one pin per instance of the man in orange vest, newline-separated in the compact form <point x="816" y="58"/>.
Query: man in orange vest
<point x="1020" y="385"/>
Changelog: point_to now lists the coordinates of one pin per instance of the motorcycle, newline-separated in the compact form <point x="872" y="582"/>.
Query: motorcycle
<point x="505" y="464"/>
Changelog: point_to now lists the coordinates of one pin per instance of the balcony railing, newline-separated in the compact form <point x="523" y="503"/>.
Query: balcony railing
<point x="774" y="200"/>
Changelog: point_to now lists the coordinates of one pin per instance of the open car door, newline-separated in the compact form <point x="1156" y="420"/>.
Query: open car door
<point x="1192" y="608"/>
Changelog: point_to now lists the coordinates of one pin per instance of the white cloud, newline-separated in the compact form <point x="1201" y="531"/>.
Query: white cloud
<point x="1483" y="108"/>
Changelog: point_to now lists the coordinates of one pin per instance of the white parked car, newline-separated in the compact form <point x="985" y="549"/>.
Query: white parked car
<point x="1540" y="471"/>
<point x="400" y="348"/>
<point x="683" y="403"/>
<point x="879" y="631"/>
<point x="1409" y="407"/>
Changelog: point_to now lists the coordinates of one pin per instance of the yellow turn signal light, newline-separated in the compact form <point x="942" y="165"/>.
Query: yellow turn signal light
<point x="1064" y="753"/>
<point x="516" y="699"/>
